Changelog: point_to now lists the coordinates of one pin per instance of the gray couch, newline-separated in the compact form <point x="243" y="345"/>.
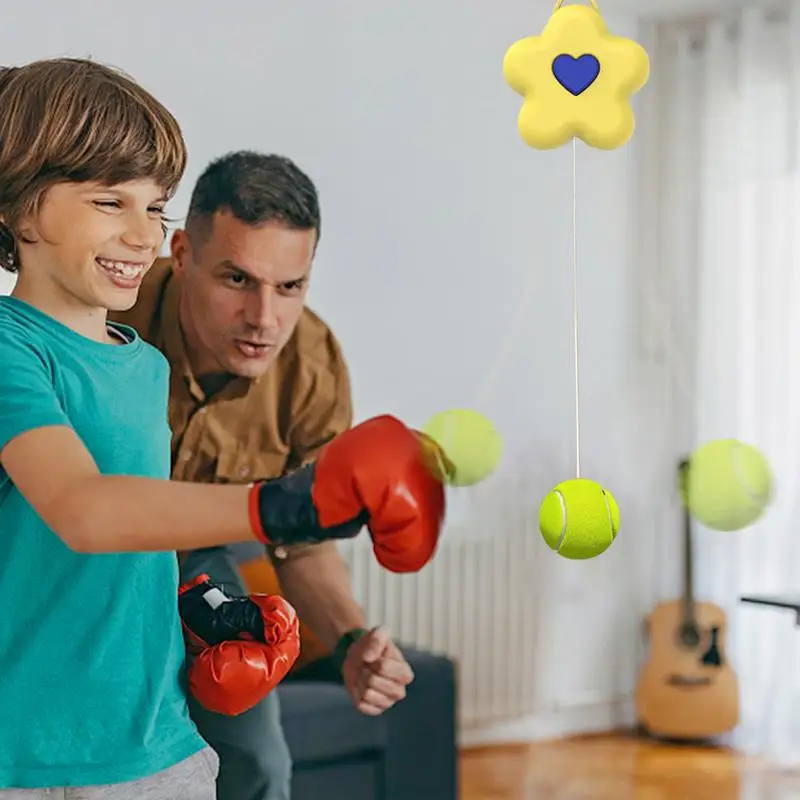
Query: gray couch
<point x="408" y="753"/>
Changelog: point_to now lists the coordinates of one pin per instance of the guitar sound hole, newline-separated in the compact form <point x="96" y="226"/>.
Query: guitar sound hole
<point x="689" y="636"/>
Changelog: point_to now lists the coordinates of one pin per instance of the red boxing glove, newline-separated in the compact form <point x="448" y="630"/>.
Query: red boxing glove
<point x="244" y="646"/>
<point x="375" y="474"/>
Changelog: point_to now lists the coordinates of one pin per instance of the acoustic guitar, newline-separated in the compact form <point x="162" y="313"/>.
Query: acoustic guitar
<point x="686" y="689"/>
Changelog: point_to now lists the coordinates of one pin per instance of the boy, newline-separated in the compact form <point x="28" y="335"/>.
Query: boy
<point x="92" y="647"/>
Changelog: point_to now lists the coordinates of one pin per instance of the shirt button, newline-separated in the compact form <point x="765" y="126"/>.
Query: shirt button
<point x="244" y="471"/>
<point x="281" y="552"/>
<point x="202" y="410"/>
<point x="187" y="456"/>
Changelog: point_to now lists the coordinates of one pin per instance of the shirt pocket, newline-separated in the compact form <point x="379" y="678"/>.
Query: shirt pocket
<point x="243" y="467"/>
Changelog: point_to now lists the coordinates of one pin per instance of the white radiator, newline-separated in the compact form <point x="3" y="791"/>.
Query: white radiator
<point x="474" y="603"/>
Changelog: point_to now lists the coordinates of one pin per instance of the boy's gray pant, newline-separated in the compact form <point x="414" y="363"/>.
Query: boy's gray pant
<point x="191" y="779"/>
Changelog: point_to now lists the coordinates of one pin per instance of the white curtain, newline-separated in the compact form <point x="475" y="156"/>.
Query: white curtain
<point x="729" y="257"/>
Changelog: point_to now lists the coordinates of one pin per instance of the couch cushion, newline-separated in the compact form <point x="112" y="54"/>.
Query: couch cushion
<point x="321" y="723"/>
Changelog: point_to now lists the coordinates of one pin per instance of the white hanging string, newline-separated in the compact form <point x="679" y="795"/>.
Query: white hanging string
<point x="575" y="318"/>
<point x="560" y="3"/>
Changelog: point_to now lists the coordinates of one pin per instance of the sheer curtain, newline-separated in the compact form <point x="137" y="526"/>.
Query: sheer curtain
<point x="729" y="276"/>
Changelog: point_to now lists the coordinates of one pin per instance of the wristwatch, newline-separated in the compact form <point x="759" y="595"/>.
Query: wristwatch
<point x="343" y="645"/>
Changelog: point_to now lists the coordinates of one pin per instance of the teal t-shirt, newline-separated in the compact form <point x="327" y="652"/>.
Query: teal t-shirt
<point x="91" y="649"/>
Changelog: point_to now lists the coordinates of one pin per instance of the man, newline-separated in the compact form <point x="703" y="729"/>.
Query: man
<point x="258" y="386"/>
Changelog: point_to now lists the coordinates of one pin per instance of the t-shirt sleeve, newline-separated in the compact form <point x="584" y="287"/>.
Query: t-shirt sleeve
<point x="28" y="397"/>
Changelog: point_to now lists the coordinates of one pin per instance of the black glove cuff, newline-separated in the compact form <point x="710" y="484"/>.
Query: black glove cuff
<point x="213" y="616"/>
<point x="288" y="516"/>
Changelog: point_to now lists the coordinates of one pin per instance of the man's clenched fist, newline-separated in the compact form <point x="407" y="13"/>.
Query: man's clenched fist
<point x="375" y="672"/>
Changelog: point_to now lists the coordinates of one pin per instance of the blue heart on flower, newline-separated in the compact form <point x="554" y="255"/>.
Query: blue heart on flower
<point x="576" y="75"/>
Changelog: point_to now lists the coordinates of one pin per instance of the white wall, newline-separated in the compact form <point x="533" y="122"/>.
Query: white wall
<point x="672" y="9"/>
<point x="440" y="229"/>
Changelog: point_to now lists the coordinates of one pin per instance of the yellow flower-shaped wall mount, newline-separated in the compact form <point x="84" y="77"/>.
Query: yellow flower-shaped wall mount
<point x="576" y="80"/>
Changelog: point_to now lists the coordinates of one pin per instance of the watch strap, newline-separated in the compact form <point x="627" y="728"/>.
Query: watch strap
<point x="343" y="645"/>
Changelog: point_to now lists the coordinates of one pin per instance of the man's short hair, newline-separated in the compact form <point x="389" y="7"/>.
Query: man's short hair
<point x="68" y="120"/>
<point x="255" y="188"/>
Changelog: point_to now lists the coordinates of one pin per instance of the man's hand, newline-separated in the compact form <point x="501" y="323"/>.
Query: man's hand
<point x="375" y="673"/>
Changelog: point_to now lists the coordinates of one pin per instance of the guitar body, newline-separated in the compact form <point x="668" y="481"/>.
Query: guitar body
<point x="687" y="692"/>
<point x="687" y="689"/>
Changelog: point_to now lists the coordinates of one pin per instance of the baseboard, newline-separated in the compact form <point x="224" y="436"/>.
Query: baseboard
<point x="597" y="717"/>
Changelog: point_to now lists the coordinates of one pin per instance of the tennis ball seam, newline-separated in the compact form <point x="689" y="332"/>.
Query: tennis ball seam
<point x="610" y="515"/>
<point x="741" y="474"/>
<point x="563" y="535"/>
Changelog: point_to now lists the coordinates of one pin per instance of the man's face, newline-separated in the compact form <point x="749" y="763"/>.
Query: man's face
<point x="93" y="244"/>
<point x="244" y="288"/>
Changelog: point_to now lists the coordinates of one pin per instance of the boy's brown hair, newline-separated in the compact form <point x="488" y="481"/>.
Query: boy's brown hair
<point x="72" y="120"/>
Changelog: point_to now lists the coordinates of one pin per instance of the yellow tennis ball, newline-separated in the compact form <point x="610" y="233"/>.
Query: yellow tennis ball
<point x="469" y="446"/>
<point x="728" y="485"/>
<point x="579" y="519"/>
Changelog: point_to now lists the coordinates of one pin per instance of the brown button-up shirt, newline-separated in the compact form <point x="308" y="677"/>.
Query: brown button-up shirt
<point x="251" y="429"/>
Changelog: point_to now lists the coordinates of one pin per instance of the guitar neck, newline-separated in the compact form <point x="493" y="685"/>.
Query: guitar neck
<point x="688" y="572"/>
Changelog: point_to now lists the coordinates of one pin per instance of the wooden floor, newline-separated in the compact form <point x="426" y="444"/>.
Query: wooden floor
<point x="619" y="768"/>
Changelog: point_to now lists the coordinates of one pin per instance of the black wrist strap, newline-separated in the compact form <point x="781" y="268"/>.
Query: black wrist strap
<point x="285" y="513"/>
<point x="343" y="645"/>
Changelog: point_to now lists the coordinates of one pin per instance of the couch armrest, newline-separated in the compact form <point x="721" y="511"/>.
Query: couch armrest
<point x="422" y="753"/>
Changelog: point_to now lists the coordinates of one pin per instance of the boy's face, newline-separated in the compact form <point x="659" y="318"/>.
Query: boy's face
<point x="93" y="244"/>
